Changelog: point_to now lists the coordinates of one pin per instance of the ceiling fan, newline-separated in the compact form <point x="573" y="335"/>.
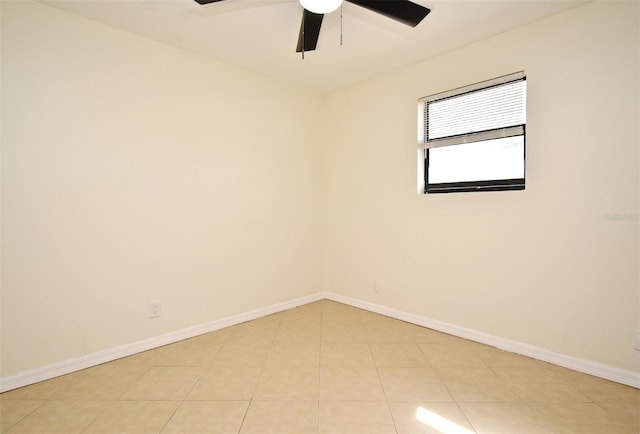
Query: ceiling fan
<point x="403" y="11"/>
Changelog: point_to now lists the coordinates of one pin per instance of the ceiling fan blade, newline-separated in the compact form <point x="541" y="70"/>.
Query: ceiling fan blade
<point x="309" y="31"/>
<point x="206" y="2"/>
<point x="403" y="11"/>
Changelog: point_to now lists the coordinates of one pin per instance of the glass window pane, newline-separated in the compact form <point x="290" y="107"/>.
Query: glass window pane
<point x="480" y="161"/>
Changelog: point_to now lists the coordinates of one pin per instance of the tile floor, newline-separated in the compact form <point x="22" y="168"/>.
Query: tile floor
<point x="323" y="368"/>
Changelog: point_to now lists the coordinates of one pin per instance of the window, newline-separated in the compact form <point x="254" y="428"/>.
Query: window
<point x="473" y="138"/>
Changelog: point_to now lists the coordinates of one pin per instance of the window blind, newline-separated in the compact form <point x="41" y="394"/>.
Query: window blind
<point x="484" y="111"/>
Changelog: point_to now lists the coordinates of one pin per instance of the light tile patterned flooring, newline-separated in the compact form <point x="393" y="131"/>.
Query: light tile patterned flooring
<point x="323" y="368"/>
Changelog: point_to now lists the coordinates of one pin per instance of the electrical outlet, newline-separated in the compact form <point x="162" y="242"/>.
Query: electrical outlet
<point x="637" y="346"/>
<point x="155" y="309"/>
<point x="376" y="287"/>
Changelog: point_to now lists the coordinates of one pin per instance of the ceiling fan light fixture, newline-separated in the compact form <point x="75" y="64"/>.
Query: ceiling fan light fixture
<point x="321" y="6"/>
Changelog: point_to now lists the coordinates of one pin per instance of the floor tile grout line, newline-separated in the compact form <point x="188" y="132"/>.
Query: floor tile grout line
<point x="386" y="398"/>
<point x="539" y="416"/>
<point x="255" y="386"/>
<point x="466" y="417"/>
<point x="444" y="385"/>
<point x="119" y="398"/>
<point x="375" y="364"/>
<point x="319" y="369"/>
<point x="26" y="415"/>
<point x="173" y="413"/>
<point x="244" y="415"/>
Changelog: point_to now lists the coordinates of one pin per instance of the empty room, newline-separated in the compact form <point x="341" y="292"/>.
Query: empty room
<point x="377" y="216"/>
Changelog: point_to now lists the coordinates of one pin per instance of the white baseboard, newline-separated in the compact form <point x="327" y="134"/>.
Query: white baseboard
<point x="32" y="376"/>
<point x="607" y="372"/>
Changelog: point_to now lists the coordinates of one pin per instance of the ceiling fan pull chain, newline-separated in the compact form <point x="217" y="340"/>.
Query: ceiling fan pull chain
<point x="341" y="25"/>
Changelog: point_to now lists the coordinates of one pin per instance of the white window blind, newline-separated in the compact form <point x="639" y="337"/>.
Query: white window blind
<point x="484" y="111"/>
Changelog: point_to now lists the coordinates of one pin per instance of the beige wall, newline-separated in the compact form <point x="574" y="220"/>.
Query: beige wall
<point x="133" y="172"/>
<point x="555" y="265"/>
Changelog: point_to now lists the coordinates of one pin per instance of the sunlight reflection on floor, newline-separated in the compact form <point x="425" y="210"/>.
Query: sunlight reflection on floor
<point x="440" y="423"/>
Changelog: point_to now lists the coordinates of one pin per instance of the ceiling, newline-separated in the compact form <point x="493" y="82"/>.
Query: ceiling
<point x="261" y="35"/>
